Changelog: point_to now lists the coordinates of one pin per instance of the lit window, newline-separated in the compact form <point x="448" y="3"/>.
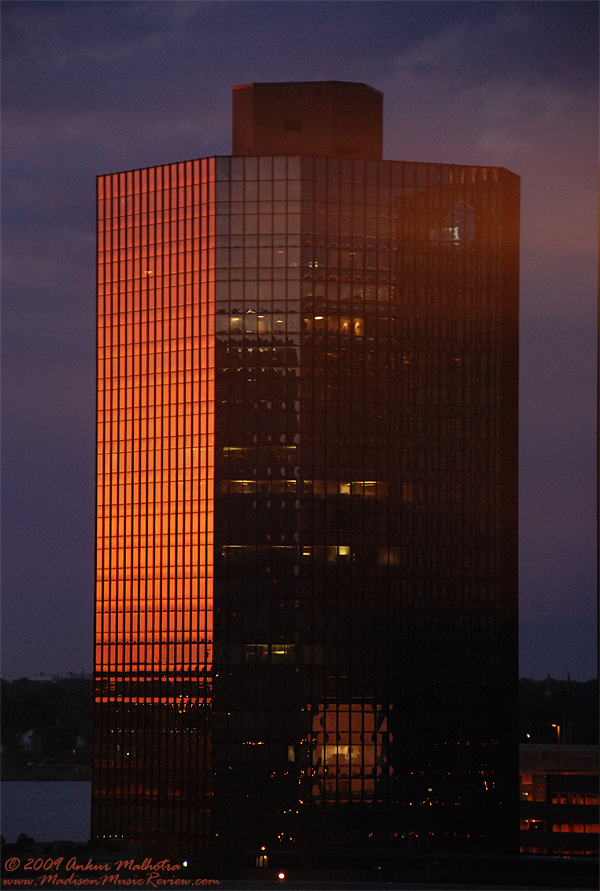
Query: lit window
<point x="274" y="653"/>
<point x="366" y="488"/>
<point x="338" y="554"/>
<point x="257" y="652"/>
<point x="282" y="652"/>
<point x="350" y="751"/>
<point x="250" y="322"/>
<point x="388" y="556"/>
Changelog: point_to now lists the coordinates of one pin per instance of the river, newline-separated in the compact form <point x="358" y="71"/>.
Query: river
<point x="47" y="811"/>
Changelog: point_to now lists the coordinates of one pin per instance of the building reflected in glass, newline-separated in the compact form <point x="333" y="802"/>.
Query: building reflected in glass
<point x="306" y="610"/>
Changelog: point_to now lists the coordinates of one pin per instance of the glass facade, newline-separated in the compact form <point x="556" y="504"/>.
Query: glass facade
<point x="155" y="503"/>
<point x="308" y="430"/>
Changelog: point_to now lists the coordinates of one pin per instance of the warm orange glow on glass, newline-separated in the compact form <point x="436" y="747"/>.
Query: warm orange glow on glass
<point x="155" y="493"/>
<point x="350" y="751"/>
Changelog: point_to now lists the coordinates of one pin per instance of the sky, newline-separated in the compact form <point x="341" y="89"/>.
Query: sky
<point x="92" y="88"/>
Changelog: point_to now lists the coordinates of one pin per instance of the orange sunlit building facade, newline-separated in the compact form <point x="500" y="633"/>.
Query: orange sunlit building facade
<point x="307" y="446"/>
<point x="155" y="502"/>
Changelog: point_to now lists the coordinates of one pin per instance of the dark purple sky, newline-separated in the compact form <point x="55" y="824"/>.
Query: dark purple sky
<point x="91" y="88"/>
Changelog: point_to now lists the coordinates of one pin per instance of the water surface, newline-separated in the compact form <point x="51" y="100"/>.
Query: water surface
<point x="47" y="811"/>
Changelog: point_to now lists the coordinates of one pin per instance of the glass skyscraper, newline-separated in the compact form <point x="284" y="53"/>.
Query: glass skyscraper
<point x="306" y="607"/>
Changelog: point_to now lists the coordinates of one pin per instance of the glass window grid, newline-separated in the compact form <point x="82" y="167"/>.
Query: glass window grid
<point x="369" y="282"/>
<point x="155" y="517"/>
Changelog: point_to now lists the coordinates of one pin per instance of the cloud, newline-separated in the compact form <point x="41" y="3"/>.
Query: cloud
<point x="511" y="111"/>
<point x="441" y="49"/>
<point x="57" y="36"/>
<point x="463" y="74"/>
<point x="459" y="44"/>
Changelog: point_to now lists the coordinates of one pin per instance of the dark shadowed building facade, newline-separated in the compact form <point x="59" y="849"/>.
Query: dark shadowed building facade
<point x="306" y="609"/>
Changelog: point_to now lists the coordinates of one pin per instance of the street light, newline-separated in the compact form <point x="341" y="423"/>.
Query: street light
<point x="558" y="739"/>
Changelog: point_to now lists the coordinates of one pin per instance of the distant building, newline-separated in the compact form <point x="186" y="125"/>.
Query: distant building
<point x="72" y="676"/>
<point x="559" y="799"/>
<point x="306" y="602"/>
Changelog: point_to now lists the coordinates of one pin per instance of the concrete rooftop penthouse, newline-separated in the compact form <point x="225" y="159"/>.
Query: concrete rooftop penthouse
<point x="328" y="118"/>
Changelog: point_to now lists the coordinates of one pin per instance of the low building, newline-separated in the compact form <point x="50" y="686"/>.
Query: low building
<point x="559" y="799"/>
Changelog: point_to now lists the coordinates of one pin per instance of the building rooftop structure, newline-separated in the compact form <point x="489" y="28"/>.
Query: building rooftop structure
<point x="559" y="799"/>
<point x="327" y="118"/>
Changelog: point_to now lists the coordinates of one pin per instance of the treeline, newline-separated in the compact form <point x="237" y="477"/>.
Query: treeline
<point x="573" y="705"/>
<point x="46" y="729"/>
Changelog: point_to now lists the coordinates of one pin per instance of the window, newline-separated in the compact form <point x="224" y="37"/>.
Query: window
<point x="388" y="556"/>
<point x="320" y="554"/>
<point x="345" y="325"/>
<point x="270" y="653"/>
